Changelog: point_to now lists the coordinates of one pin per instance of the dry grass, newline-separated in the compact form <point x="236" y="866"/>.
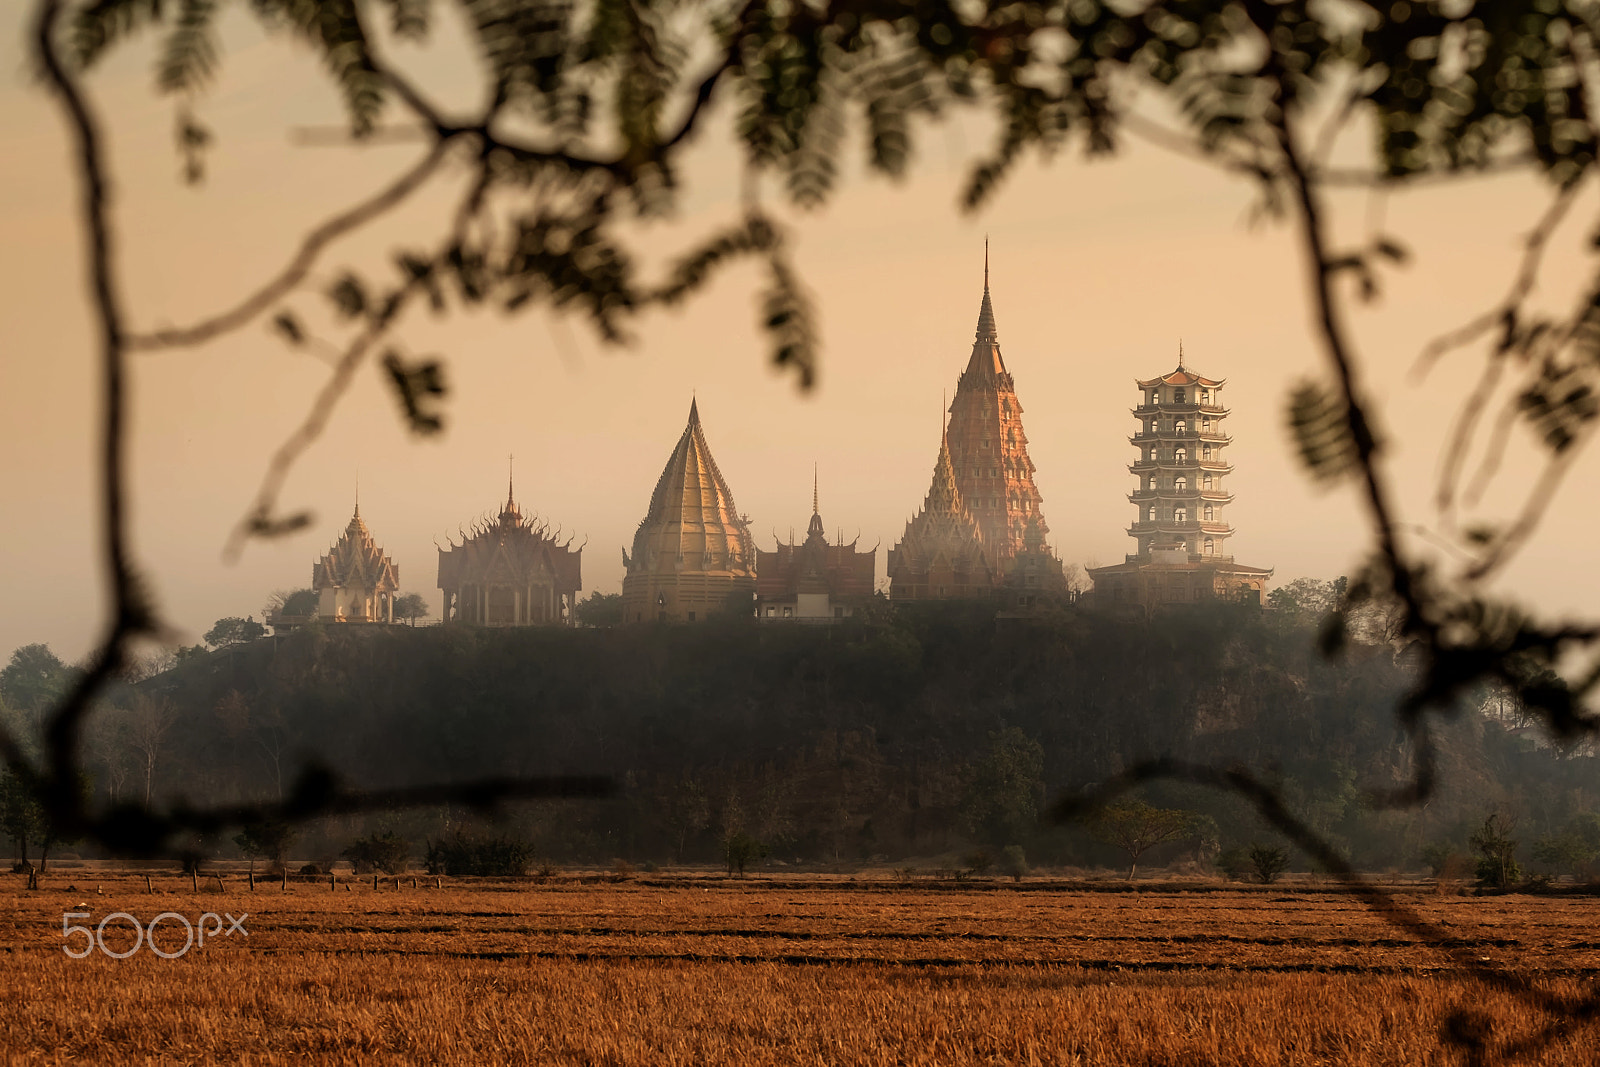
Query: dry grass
<point x="697" y="972"/>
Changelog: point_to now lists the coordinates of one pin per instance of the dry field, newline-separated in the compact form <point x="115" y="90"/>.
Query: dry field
<point x="811" y="971"/>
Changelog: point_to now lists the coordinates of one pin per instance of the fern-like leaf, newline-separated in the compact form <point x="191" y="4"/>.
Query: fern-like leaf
<point x="1319" y="421"/>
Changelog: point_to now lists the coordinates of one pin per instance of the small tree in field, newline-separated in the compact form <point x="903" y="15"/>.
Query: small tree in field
<point x="1269" y="862"/>
<point x="741" y="850"/>
<point x="1497" y="854"/>
<point x="267" y="840"/>
<point x="1135" y="827"/>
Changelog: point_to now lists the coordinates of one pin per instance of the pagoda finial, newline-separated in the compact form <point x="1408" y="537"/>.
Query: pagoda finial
<point x="1180" y="353"/>
<point x="986" y="327"/>
<point x="814" y="510"/>
<point x="358" y="492"/>
<point x="511" y="481"/>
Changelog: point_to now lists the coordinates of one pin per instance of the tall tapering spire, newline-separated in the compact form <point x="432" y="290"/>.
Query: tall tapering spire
<point x="814" y="509"/>
<point x="511" y="482"/>
<point x="986" y="327"/>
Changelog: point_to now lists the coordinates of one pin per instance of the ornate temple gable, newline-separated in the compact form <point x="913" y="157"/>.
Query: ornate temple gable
<point x="510" y="570"/>
<point x="693" y="553"/>
<point x="942" y="554"/>
<point x="817" y="568"/>
<point x="988" y="446"/>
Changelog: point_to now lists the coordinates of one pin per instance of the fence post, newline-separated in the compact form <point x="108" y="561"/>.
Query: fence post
<point x="147" y="888"/>
<point x="194" y="879"/>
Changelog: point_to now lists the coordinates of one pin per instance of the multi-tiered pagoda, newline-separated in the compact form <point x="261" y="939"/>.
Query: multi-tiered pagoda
<point x="1179" y="497"/>
<point x="987" y="453"/>
<point x="693" y="556"/>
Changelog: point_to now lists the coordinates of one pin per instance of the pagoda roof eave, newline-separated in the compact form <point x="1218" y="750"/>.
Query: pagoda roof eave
<point x="1181" y="376"/>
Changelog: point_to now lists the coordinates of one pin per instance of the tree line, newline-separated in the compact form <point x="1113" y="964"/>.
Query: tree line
<point x="932" y="731"/>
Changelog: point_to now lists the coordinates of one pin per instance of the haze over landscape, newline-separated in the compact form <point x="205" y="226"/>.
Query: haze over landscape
<point x="1098" y="270"/>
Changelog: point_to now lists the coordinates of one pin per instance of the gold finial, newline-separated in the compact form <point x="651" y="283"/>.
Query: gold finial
<point x="511" y="480"/>
<point x="986" y="262"/>
<point x="1180" y="353"/>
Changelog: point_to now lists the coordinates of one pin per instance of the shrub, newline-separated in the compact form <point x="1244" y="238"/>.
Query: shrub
<point x="1497" y="855"/>
<point x="463" y="854"/>
<point x="1235" y="864"/>
<point x="387" y="852"/>
<point x="1269" y="862"/>
<point x="1014" y="863"/>
<point x="740" y="850"/>
<point x="977" y="862"/>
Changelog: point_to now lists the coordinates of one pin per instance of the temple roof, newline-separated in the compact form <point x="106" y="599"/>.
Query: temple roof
<point x="692" y="513"/>
<point x="355" y="560"/>
<point x="1182" y="375"/>
<point x="510" y="549"/>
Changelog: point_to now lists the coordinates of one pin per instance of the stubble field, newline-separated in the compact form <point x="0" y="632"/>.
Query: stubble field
<point x="807" y="970"/>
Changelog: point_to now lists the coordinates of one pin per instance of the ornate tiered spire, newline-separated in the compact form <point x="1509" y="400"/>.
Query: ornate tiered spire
<point x="986" y="327"/>
<point x="355" y="560"/>
<point x="988" y="448"/>
<point x="986" y="360"/>
<point x="815" y="531"/>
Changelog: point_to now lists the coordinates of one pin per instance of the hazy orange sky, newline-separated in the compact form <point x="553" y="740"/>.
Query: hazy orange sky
<point x="1098" y="270"/>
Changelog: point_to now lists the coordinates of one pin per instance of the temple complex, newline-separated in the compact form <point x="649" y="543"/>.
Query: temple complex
<point x="986" y="453"/>
<point x="814" y="581"/>
<point x="354" y="582"/>
<point x="510" y="571"/>
<point x="1179" y="496"/>
<point x="942" y="555"/>
<point x="692" y="555"/>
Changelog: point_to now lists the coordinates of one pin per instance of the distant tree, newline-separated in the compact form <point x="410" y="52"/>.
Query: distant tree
<point x="412" y="606"/>
<point x="1308" y="597"/>
<point x="1497" y="854"/>
<point x="295" y="602"/>
<point x="1136" y="827"/>
<point x="147" y="723"/>
<point x="234" y="631"/>
<point x="688" y="812"/>
<point x="268" y="841"/>
<point x="33" y="680"/>
<point x="21" y="815"/>
<point x="600" y="609"/>
<point x="740" y="850"/>
<point x="1269" y="862"/>
<point x="184" y="653"/>
<point x="387" y="852"/>
<point x="1574" y="850"/>
<point x="1003" y="790"/>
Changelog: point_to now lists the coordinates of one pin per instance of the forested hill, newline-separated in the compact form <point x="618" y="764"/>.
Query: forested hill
<point x="926" y="732"/>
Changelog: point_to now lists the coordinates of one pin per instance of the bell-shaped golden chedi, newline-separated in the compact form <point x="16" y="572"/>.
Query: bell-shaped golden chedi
<point x="693" y="555"/>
